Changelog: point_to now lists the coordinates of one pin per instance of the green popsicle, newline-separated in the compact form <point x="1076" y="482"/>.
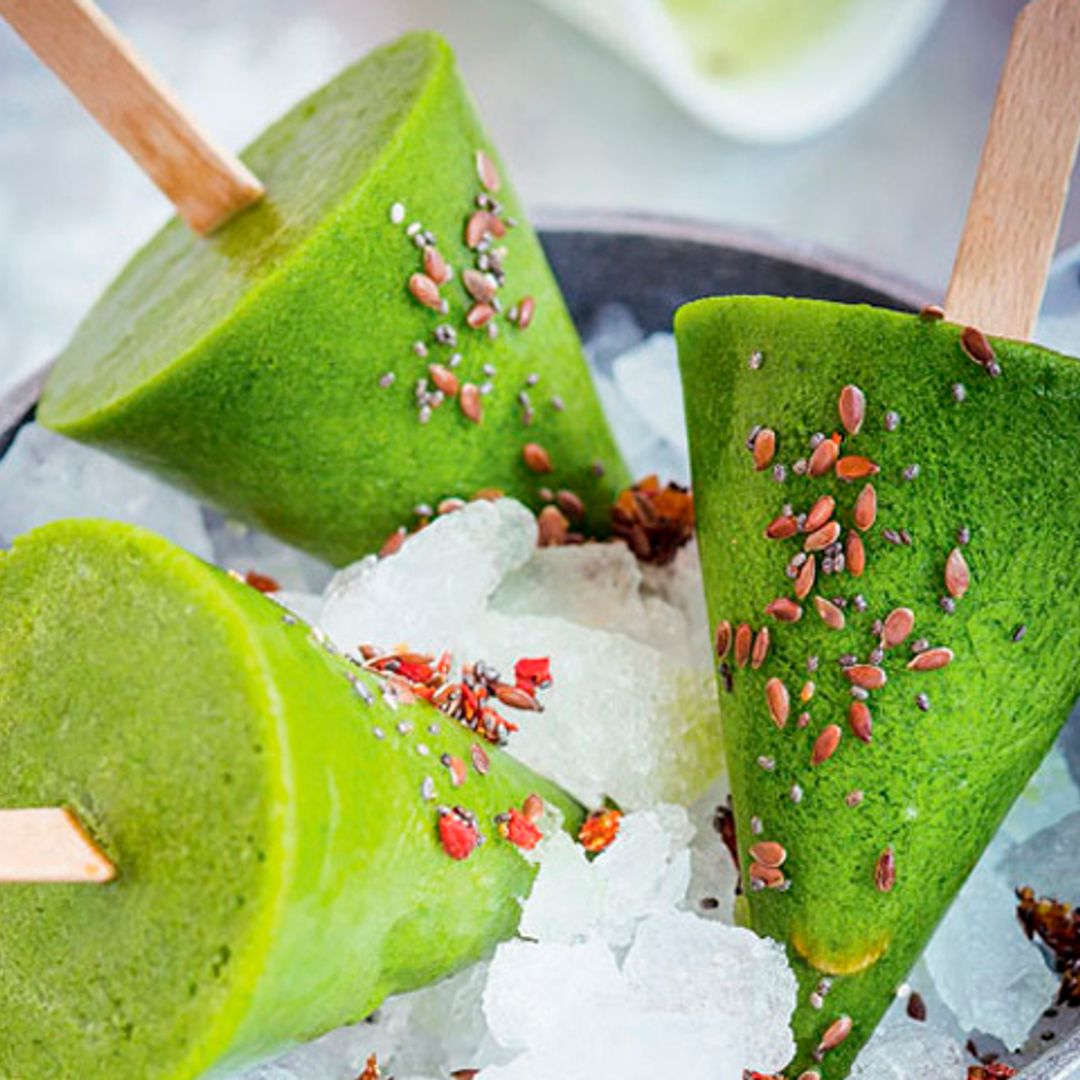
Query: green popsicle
<point x="272" y="368"/>
<point x="973" y="533"/>
<point x="279" y="865"/>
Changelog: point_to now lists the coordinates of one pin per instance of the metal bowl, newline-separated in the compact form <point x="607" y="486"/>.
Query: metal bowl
<point x="653" y="265"/>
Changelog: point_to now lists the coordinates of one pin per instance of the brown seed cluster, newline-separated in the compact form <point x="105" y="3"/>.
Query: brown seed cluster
<point x="655" y="520"/>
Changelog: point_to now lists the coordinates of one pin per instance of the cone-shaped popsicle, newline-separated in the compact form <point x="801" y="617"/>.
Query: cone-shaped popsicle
<point x="380" y="333"/>
<point x="923" y="631"/>
<point x="273" y="819"/>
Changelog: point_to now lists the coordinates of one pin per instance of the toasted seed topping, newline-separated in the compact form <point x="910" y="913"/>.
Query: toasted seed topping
<point x="835" y="1034"/>
<point x="1019" y="633"/>
<point x="855" y="554"/>
<point x="819" y="513"/>
<point x="957" y="575"/>
<point x="892" y="420"/>
<point x="764" y="448"/>
<point x="471" y="403"/>
<point x="931" y="660"/>
<point x="444" y="379"/>
<point x="424" y="290"/>
<point x="932" y="313"/>
<point x="854" y="797"/>
<point x="920" y="645"/>
<point x="852" y="407"/>
<point x="765" y="877"/>
<point x="923" y="702"/>
<point x="481" y="287"/>
<point x="807" y="691"/>
<point x="916" y="1006"/>
<point x="768" y="853"/>
<point x="823" y="537"/>
<point x="554" y="528"/>
<point x="825" y="744"/>
<point x="811" y="664"/>
<point x="784" y="610"/>
<point x="885" y="871"/>
<point x="860" y="721"/>
<point x="804" y="580"/>
<point x="815" y="1000"/>
<point x="796" y="794"/>
<point x="868" y="676"/>
<point x="767" y="763"/>
<point x="898" y="625"/>
<point x="782" y="527"/>
<point x="855" y="467"/>
<point x="810" y="1074"/>
<point x="947" y="604"/>
<point x="912" y="471"/>
<point x="830" y="614"/>
<point x="479" y="315"/>
<point x="723" y="640"/>
<point x="803" y="720"/>
<point x="743" y="639"/>
<point x="866" y="508"/>
<point x="779" y="702"/>
<point x="974" y="342"/>
<point x="823" y="459"/>
<point x="487" y="172"/>
<point x="536" y="458"/>
<point x="761" y="648"/>
<point x="387" y="379"/>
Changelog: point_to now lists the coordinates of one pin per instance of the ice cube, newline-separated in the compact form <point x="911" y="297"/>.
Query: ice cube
<point x="566" y="897"/>
<point x="1047" y="861"/>
<point x="614" y="329"/>
<point x="648" y="377"/>
<point x="45" y="477"/>
<point x="438" y="583"/>
<point x="713" y="876"/>
<point x="905" y="1049"/>
<point x="986" y="971"/>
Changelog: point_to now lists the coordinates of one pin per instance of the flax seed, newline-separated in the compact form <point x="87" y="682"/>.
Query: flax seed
<point x="487" y="172"/>
<point x="861" y="721"/>
<point x="778" y="700"/>
<point x="855" y="554"/>
<point x="885" y="871"/>
<point x="823" y="459"/>
<point x="854" y="798"/>
<point x="898" y="625"/>
<point x="782" y="527"/>
<point x="436" y="267"/>
<point x="784" y="610"/>
<point x="868" y="676"/>
<point x="761" y="648"/>
<point x="804" y="580"/>
<point x="974" y="342"/>
<point x="856" y="467"/>
<point x="536" y="458"/>
<point x="743" y="640"/>
<point x="571" y="504"/>
<point x="819" y="513"/>
<point x="835" y="1034"/>
<point x="723" y="640"/>
<point x="852" y="408"/>
<point x="424" y="290"/>
<point x="471" y="403"/>
<point x="830" y="614"/>
<point x="769" y="854"/>
<point x="807" y="691"/>
<point x="767" y="877"/>
<point x="825" y="744"/>
<point x="957" y="575"/>
<point x="764" y="448"/>
<point x="444" y="379"/>
<point x="931" y="660"/>
<point x="823" y="537"/>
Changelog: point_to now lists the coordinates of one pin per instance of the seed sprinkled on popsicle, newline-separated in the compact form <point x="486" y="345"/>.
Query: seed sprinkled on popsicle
<point x="825" y="744"/>
<point x="764" y="448"/>
<point x="957" y="575"/>
<point x="931" y="659"/>
<point x="743" y="642"/>
<point x="779" y="701"/>
<point x="852" y="407"/>
<point x="885" y="871"/>
<point x="761" y="648"/>
<point x="536" y="458"/>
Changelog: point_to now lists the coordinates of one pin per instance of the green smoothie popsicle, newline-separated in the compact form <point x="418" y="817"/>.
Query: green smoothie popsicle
<point x="380" y="333"/>
<point x="897" y="618"/>
<point x="274" y="819"/>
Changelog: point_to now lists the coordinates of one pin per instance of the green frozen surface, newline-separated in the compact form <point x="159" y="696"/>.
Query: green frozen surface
<point x="279" y="870"/>
<point x="246" y="367"/>
<point x="1003" y="464"/>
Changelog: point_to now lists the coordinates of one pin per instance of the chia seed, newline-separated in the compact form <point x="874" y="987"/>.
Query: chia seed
<point x="1019" y="633"/>
<point x="892" y="420"/>
<point x="756" y="827"/>
<point x="387" y="380"/>
<point x="877" y="655"/>
<point x="923" y="702"/>
<point x="858" y="602"/>
<point x="766" y="762"/>
<point x="557" y="403"/>
<point x="958" y="392"/>
<point x="963" y="535"/>
<point x="911" y="472"/>
<point x="947" y="604"/>
<point x="859" y="693"/>
<point x="811" y="664"/>
<point x="847" y="659"/>
<point x="420" y="348"/>
<point x="779" y="473"/>
<point x="397" y="213"/>
<point x="755" y="361"/>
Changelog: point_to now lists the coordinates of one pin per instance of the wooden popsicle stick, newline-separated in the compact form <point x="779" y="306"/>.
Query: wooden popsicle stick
<point x="49" y="845"/>
<point x="205" y="183"/>
<point x="1012" y="225"/>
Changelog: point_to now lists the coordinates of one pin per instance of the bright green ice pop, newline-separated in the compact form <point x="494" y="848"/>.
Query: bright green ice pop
<point x="894" y="666"/>
<point x="274" y="821"/>
<point x="381" y="333"/>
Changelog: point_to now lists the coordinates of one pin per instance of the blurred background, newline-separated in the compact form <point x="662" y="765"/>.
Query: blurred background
<point x="589" y="111"/>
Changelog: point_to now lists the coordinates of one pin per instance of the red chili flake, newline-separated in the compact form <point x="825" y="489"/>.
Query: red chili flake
<point x="263" y="582"/>
<point x="599" y="829"/>
<point x="457" y="832"/>
<point x="371" y="1069"/>
<point x="532" y="674"/>
<point x="413" y="671"/>
<point x="519" y="830"/>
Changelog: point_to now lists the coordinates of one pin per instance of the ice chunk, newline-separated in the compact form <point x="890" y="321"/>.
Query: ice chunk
<point x="45" y="477"/>
<point x="430" y="592"/>
<point x="1047" y="861"/>
<point x="713" y="875"/>
<point x="905" y="1049"/>
<point x="633" y="718"/>
<point x="567" y="895"/>
<point x="613" y="331"/>
<point x="987" y="972"/>
<point x="648" y="377"/>
<point x="1050" y="796"/>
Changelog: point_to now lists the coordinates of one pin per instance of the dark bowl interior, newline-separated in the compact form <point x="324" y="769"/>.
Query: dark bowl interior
<point x="653" y="265"/>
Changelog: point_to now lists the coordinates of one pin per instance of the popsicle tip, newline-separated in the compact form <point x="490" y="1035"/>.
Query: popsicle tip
<point x="49" y="845"/>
